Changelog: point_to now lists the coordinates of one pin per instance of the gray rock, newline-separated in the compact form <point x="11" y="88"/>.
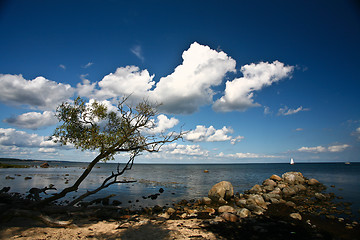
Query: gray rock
<point x="222" y="190"/>
<point x="258" y="200"/>
<point x="293" y="178"/>
<point x="275" y="177"/>
<point x="320" y="196"/>
<point x="243" y="213"/>
<point x="296" y="216"/>
<point x="229" y="217"/>
<point x="268" y="196"/>
<point x="288" y="191"/>
<point x="256" y="189"/>
<point x="227" y="209"/>
<point x="269" y="182"/>
<point x="241" y="203"/>
<point x="313" y="181"/>
<point x="206" y="201"/>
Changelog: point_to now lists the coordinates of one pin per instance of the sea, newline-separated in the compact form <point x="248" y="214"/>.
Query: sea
<point x="179" y="181"/>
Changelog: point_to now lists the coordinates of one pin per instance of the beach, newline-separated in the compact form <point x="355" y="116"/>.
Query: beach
<point x="323" y="215"/>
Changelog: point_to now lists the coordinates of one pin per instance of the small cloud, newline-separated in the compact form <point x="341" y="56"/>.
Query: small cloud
<point x="137" y="51"/>
<point x="299" y="129"/>
<point x="267" y="110"/>
<point x="62" y="66"/>
<point x="356" y="133"/>
<point x="321" y="149"/>
<point x="204" y="134"/>
<point x="285" y="111"/>
<point x="89" y="64"/>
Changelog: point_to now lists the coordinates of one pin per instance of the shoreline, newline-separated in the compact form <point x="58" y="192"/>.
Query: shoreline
<point x="308" y="213"/>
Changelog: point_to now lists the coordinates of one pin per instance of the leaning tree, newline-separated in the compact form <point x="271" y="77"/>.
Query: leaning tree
<point x="91" y="126"/>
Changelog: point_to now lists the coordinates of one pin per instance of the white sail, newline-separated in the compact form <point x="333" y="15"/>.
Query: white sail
<point x="292" y="161"/>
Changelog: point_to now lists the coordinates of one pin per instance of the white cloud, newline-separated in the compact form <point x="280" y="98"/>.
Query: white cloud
<point x="162" y="124"/>
<point x="89" y="64"/>
<point x="204" y="134"/>
<point x="338" y="148"/>
<point x="321" y="149"/>
<point x="178" y="149"/>
<point x="62" y="66"/>
<point x="299" y="129"/>
<point x="317" y="149"/>
<point x="37" y="93"/>
<point x="189" y="86"/>
<point x="137" y="51"/>
<point x="356" y="133"/>
<point x="267" y="110"/>
<point x="11" y="137"/>
<point x="47" y="150"/>
<point x="239" y="92"/>
<point x="85" y="89"/>
<point x="247" y="155"/>
<point x="288" y="111"/>
<point x="125" y="81"/>
<point x="33" y="120"/>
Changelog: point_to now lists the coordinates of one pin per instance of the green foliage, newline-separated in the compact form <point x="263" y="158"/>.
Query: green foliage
<point x="90" y="126"/>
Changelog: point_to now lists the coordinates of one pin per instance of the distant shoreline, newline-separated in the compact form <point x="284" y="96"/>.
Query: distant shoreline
<point x="36" y="161"/>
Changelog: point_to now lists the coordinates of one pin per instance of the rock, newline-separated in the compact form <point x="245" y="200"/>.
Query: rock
<point x="288" y="191"/>
<point x="256" y="189"/>
<point x="28" y="178"/>
<point x="243" y="213"/>
<point x="161" y="190"/>
<point x="313" y="181"/>
<point x="164" y="215"/>
<point x="275" y="177"/>
<point x="229" y="217"/>
<point x="256" y="209"/>
<point x="269" y="188"/>
<point x="44" y="165"/>
<point x="268" y="196"/>
<point x="299" y="188"/>
<point x="293" y="178"/>
<point x="290" y="204"/>
<point x="225" y="208"/>
<point x="258" y="200"/>
<point x="9" y="177"/>
<point x="170" y="211"/>
<point x="320" y="196"/>
<point x="269" y="182"/>
<point x="296" y="216"/>
<point x="277" y="190"/>
<point x="222" y="190"/>
<point x="206" y="201"/>
<point x="241" y="203"/>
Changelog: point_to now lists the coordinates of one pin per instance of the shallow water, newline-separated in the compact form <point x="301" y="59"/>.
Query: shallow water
<point x="185" y="181"/>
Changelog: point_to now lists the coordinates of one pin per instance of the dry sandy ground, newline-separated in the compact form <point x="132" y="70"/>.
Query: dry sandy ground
<point x="142" y="229"/>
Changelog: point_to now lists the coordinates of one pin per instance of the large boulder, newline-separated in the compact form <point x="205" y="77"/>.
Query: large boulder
<point x="221" y="191"/>
<point x="293" y="178"/>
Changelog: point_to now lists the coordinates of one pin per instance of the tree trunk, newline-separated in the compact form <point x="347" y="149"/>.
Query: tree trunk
<point x="76" y="184"/>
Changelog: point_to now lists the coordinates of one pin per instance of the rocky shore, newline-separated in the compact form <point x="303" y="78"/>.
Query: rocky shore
<point x="281" y="207"/>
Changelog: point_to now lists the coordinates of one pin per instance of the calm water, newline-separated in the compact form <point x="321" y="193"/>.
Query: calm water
<point x="182" y="181"/>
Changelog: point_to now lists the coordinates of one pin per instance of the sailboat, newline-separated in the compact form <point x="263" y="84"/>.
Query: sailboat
<point x="292" y="161"/>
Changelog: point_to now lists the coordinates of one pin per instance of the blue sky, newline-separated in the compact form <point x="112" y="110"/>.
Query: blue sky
<point x="252" y="81"/>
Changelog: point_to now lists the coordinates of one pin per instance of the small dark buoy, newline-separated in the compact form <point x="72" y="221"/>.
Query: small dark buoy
<point x="161" y="190"/>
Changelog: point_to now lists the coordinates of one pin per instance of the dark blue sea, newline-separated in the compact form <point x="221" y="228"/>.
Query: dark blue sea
<point x="182" y="181"/>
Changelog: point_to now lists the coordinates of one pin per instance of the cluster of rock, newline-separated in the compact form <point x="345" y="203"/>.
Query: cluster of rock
<point x="291" y="189"/>
<point x="255" y="201"/>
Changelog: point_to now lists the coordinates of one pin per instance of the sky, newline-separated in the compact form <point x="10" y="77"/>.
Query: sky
<point x="249" y="81"/>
